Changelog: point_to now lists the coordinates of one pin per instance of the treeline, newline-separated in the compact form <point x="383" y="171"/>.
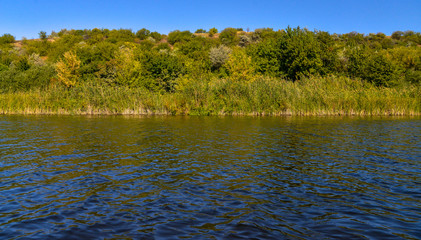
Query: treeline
<point x="173" y="63"/>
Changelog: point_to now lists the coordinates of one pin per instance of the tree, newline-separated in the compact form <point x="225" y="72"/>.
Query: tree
<point x="228" y="36"/>
<point x="200" y="30"/>
<point x="179" y="36"/>
<point x="212" y="32"/>
<point x="68" y="69"/>
<point x="397" y="35"/>
<point x="156" y="35"/>
<point x="219" y="55"/>
<point x="127" y="69"/>
<point x="42" y="35"/>
<point x="240" y="66"/>
<point x="7" y="38"/>
<point x="143" y="33"/>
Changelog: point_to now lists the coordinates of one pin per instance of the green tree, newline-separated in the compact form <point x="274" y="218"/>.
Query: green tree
<point x="212" y="32"/>
<point x="7" y="38"/>
<point x="240" y="66"/>
<point x="178" y="36"/>
<point x="143" y="33"/>
<point x="200" y="30"/>
<point x="156" y="35"/>
<point x="42" y="35"/>
<point x="397" y="35"/>
<point x="228" y="36"/>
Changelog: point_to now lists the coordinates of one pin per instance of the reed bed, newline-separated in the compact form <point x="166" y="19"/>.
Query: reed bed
<point x="329" y="95"/>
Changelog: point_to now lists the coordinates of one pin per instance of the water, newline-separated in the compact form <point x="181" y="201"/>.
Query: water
<point x="209" y="178"/>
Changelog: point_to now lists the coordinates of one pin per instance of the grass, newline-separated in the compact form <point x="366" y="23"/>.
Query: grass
<point x="329" y="95"/>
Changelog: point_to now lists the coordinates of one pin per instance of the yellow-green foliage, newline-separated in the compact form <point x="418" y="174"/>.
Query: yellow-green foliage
<point x="68" y="69"/>
<point x="240" y="66"/>
<point x="127" y="69"/>
<point x="407" y="57"/>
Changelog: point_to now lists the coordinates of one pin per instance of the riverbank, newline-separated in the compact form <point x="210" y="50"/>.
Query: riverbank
<point x="329" y="95"/>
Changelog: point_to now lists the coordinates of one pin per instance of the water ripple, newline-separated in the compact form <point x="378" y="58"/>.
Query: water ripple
<point x="209" y="178"/>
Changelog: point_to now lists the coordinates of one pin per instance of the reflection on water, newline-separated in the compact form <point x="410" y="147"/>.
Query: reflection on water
<point x="209" y="178"/>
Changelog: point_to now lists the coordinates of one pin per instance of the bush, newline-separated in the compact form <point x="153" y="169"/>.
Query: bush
<point x="68" y="69"/>
<point x="43" y="35"/>
<point x="372" y="67"/>
<point x="143" y="33"/>
<point x="219" y="55"/>
<point x="240" y="67"/>
<point x="228" y="36"/>
<point x="157" y="36"/>
<point x="127" y="69"/>
<point x="179" y="37"/>
<point x="212" y="32"/>
<point x="380" y="71"/>
<point x="244" y="40"/>
<point x="7" y="38"/>
<point x="293" y="54"/>
<point x="200" y="31"/>
<point x="161" y="71"/>
<point x="35" y="77"/>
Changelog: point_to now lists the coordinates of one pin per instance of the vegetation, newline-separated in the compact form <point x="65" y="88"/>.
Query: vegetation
<point x="265" y="72"/>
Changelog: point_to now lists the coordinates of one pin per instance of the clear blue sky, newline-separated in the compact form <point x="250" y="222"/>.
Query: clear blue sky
<point x="26" y="18"/>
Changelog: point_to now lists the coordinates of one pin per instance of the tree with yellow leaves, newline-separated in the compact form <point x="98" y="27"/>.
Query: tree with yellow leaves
<point x="68" y="69"/>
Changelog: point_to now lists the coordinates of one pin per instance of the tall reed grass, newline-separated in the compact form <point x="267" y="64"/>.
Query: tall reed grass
<point x="329" y="95"/>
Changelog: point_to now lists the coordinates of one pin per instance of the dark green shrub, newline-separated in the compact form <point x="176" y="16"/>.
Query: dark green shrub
<point x="228" y="36"/>
<point x="157" y="36"/>
<point x="14" y="79"/>
<point x="200" y="30"/>
<point x="43" y="35"/>
<point x="160" y="71"/>
<point x="143" y="33"/>
<point x="7" y="38"/>
<point x="212" y="32"/>
<point x="179" y="37"/>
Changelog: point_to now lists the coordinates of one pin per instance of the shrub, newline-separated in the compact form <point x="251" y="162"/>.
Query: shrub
<point x="240" y="67"/>
<point x="200" y="31"/>
<point x="43" y="35"/>
<point x="212" y="32"/>
<point x="68" y="69"/>
<point x="143" y="33"/>
<point x="127" y="70"/>
<point x="244" y="40"/>
<point x="7" y="38"/>
<point x="157" y="36"/>
<point x="179" y="37"/>
<point x="219" y="55"/>
<point x="160" y="70"/>
<point x="228" y="36"/>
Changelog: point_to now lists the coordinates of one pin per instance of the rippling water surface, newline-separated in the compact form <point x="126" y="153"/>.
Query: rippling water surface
<point x="209" y="178"/>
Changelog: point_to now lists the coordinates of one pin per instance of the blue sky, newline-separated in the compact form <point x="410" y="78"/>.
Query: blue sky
<point x="26" y="18"/>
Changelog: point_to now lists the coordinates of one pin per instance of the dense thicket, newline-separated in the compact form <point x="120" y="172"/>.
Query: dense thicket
<point x="160" y="63"/>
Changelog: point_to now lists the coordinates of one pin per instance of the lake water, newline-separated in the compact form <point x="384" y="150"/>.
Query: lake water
<point x="75" y="177"/>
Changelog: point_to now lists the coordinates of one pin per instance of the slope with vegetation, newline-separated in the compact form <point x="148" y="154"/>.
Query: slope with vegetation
<point x="291" y="71"/>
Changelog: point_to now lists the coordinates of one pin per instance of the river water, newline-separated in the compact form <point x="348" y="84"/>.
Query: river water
<point x="76" y="177"/>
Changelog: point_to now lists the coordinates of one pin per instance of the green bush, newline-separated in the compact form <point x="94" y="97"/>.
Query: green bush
<point x="143" y="33"/>
<point x="212" y="32"/>
<point x="200" y="30"/>
<point x="157" y="36"/>
<point x="228" y="36"/>
<point x="34" y="77"/>
<point x="7" y="38"/>
<point x="160" y="70"/>
<point x="179" y="37"/>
